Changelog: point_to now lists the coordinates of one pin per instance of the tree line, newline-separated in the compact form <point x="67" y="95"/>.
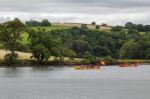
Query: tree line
<point x="75" y="43"/>
<point x="139" y="27"/>
<point x="44" y="22"/>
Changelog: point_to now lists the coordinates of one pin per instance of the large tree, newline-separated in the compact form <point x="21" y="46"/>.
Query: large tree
<point x="9" y="36"/>
<point x="45" y="22"/>
<point x="40" y="53"/>
<point x="40" y="45"/>
<point x="130" y="25"/>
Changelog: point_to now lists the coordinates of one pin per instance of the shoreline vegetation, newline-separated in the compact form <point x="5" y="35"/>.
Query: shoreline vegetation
<point x="32" y="63"/>
<point x="25" y="60"/>
<point x="42" y="43"/>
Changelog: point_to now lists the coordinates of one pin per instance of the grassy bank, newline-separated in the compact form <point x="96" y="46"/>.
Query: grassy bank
<point x="25" y="60"/>
<point x="131" y="61"/>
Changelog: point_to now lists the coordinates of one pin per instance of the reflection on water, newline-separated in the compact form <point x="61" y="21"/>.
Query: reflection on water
<point x="111" y="72"/>
<point x="11" y="72"/>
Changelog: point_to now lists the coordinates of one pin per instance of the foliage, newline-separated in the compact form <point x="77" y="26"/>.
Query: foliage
<point x="92" y="45"/>
<point x="137" y="48"/>
<point x="9" y="35"/>
<point x="40" y="53"/>
<point x="139" y="27"/>
<point x="97" y="27"/>
<point x="130" y="25"/>
<point x="116" y="28"/>
<point x="129" y="50"/>
<point x="44" y="22"/>
<point x="109" y="59"/>
<point x="11" y="58"/>
<point x="93" y="23"/>
<point x="71" y="54"/>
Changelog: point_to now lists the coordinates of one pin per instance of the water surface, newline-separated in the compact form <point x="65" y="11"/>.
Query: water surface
<point x="66" y="83"/>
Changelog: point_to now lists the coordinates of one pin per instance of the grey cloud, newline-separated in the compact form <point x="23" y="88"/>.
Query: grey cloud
<point x="78" y="10"/>
<point x="40" y="4"/>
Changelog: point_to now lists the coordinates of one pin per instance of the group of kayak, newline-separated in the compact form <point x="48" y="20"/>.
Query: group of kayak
<point x="103" y="63"/>
<point x="129" y="65"/>
<point x="91" y="67"/>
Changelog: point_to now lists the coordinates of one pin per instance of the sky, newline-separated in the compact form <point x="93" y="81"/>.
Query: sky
<point x="112" y="12"/>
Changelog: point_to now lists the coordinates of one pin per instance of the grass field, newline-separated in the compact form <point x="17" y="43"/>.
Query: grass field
<point x="24" y="38"/>
<point x="53" y="27"/>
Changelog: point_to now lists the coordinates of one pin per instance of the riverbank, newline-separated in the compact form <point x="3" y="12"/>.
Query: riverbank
<point x="142" y="61"/>
<point x="33" y="63"/>
<point x="25" y="60"/>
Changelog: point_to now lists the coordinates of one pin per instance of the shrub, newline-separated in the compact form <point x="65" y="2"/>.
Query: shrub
<point x="97" y="27"/>
<point x="11" y="59"/>
<point x="109" y="59"/>
<point x="40" y="53"/>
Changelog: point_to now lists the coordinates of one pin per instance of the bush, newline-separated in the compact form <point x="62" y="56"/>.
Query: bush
<point x="23" y="48"/>
<point x="109" y="59"/>
<point x="11" y="59"/>
<point x="40" y="53"/>
<point x="85" y="61"/>
<point x="45" y="22"/>
<point x="97" y="27"/>
<point x="117" y="28"/>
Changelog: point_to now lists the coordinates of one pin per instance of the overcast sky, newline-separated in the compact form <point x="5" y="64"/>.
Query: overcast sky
<point x="112" y="12"/>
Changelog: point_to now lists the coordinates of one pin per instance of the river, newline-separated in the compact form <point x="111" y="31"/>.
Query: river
<point x="66" y="83"/>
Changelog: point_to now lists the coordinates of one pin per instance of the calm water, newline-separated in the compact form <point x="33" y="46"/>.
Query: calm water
<point x="66" y="83"/>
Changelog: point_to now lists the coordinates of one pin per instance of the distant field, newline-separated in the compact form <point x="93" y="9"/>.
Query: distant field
<point x="53" y="27"/>
<point x="24" y="38"/>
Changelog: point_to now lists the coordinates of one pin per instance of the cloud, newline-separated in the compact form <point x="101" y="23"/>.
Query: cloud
<point x="112" y="12"/>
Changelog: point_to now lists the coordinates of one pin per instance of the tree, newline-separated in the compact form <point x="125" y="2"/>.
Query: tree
<point x="130" y="50"/>
<point x="11" y="59"/>
<point x="130" y="25"/>
<point x="40" y="53"/>
<point x="147" y="27"/>
<point x="101" y="51"/>
<point x="140" y="27"/>
<point x="87" y="55"/>
<point x="71" y="54"/>
<point x="97" y="27"/>
<point x="9" y="35"/>
<point x="45" y="22"/>
<point x="116" y="28"/>
<point x="32" y="23"/>
<point x="93" y="23"/>
<point x="80" y="46"/>
<point x="40" y="45"/>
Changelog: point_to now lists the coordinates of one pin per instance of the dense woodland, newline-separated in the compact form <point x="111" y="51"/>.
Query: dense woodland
<point x="122" y="42"/>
